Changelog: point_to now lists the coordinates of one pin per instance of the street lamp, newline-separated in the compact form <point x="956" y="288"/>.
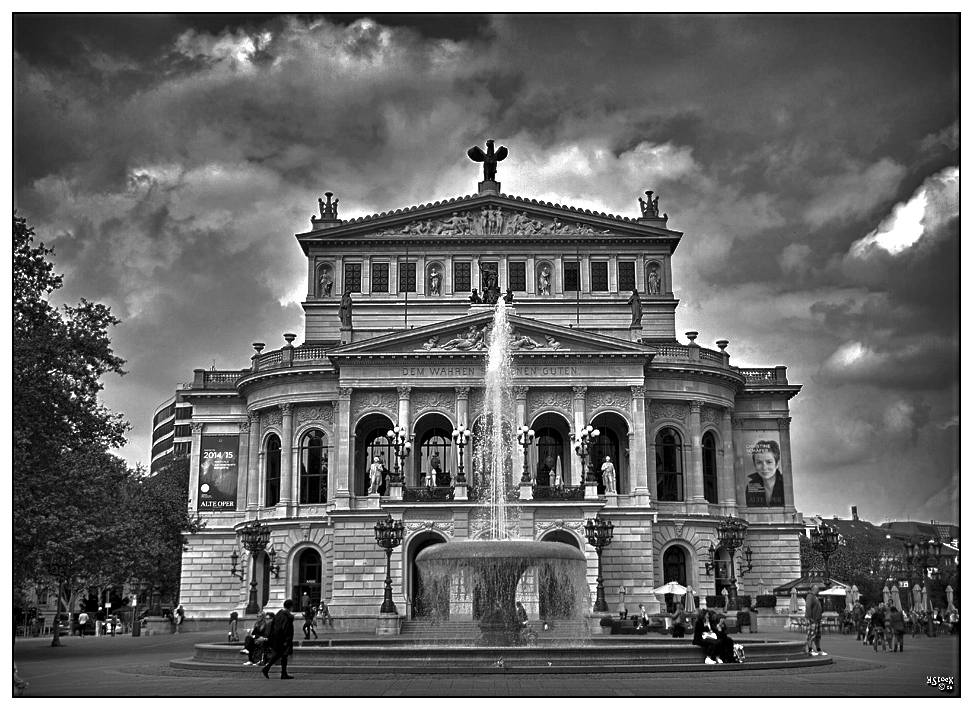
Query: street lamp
<point x="388" y="534"/>
<point x="922" y="555"/>
<point x="599" y="533"/>
<point x="254" y="537"/>
<point x="402" y="446"/>
<point x="525" y="437"/>
<point x="824" y="539"/>
<point x="462" y="436"/>
<point x="732" y="533"/>
<point x="583" y="442"/>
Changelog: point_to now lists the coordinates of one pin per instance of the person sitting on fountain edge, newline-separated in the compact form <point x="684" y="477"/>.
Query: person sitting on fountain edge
<point x="521" y="615"/>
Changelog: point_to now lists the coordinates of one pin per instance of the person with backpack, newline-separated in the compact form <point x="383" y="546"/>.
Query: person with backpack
<point x="281" y="640"/>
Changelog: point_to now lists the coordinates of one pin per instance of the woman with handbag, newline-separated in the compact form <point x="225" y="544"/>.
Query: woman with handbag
<point x="678" y="622"/>
<point x="704" y="635"/>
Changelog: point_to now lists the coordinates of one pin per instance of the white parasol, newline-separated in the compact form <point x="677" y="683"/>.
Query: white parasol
<point x="558" y="482"/>
<point x="896" y="600"/>
<point x="854" y="593"/>
<point x="689" y="605"/>
<point x="916" y="598"/>
<point x="793" y="601"/>
<point x="670" y="588"/>
<point x="833" y="592"/>
<point x="925" y="601"/>
<point x="886" y="595"/>
<point x="949" y="599"/>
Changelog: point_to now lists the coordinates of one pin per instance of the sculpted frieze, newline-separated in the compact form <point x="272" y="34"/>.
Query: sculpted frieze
<point x="319" y="413"/>
<point x="475" y="339"/>
<point x="668" y="410"/>
<point x="710" y="414"/>
<point x="273" y="417"/>
<point x="490" y="220"/>
<point x="364" y="400"/>
<point x="619" y="399"/>
<point x="539" y="399"/>
<point x="421" y="401"/>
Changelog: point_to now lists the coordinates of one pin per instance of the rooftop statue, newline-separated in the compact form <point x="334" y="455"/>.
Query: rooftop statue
<point x="489" y="159"/>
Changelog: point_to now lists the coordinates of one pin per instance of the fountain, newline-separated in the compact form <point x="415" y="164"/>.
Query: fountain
<point x="489" y="574"/>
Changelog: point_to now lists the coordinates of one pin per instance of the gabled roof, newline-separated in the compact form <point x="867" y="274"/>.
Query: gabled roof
<point x="467" y="336"/>
<point x="802" y="585"/>
<point x="513" y="218"/>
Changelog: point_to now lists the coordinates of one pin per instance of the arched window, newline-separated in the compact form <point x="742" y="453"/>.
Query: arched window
<point x="273" y="469"/>
<point x="380" y="446"/>
<point x="674" y="570"/>
<point x="435" y="443"/>
<point x="314" y="468"/>
<point x="550" y="445"/>
<point x="606" y="445"/>
<point x="668" y="465"/>
<point x="709" y="468"/>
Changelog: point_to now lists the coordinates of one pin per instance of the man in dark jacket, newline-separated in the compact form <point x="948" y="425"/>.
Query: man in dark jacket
<point x="281" y="640"/>
<point x="812" y="612"/>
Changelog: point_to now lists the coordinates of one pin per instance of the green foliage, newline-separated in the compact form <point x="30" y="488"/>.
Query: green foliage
<point x="606" y="621"/>
<point x="766" y="601"/>
<point x="715" y="601"/>
<point x="62" y="475"/>
<point x="865" y="560"/>
<point x="743" y="618"/>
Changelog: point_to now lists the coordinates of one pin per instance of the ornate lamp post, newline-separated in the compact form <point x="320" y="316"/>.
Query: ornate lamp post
<point x="824" y="539"/>
<point x="462" y="436"/>
<point x="599" y="533"/>
<point x="402" y="446"/>
<point x="525" y="437"/>
<point x="732" y="532"/>
<point x="254" y="537"/>
<point x="388" y="535"/>
<point x="583" y="442"/>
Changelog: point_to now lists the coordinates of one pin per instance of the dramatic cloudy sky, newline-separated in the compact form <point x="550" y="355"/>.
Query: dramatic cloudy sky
<point x="812" y="162"/>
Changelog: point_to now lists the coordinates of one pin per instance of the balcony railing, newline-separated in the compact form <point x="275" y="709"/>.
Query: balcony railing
<point x="427" y="494"/>
<point x="558" y="492"/>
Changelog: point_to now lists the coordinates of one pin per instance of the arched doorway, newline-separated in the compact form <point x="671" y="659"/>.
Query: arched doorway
<point x="371" y="441"/>
<point x="555" y="598"/>
<point x="674" y="570"/>
<point x="422" y="604"/>
<point x="550" y="455"/>
<point x="433" y="444"/>
<point x="308" y="576"/>
<point x="612" y="441"/>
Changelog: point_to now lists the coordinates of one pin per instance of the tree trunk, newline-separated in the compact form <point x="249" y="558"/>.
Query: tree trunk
<point x="56" y="640"/>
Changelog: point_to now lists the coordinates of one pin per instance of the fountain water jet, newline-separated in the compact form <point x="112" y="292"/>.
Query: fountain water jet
<point x="490" y="571"/>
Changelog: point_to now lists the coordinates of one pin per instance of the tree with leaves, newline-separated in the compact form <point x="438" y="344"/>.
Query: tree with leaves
<point x="865" y="560"/>
<point x="61" y="433"/>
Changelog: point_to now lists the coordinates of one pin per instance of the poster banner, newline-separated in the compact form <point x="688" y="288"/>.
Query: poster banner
<point x="218" y="472"/>
<point x="758" y="463"/>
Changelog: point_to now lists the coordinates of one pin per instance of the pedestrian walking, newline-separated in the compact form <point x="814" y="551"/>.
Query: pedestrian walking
<point x="812" y="612"/>
<point x="309" y="622"/>
<point x="232" y="636"/>
<point x="878" y="629"/>
<point x="281" y="640"/>
<point x="20" y="685"/>
<point x="178" y="616"/>
<point x="897" y="625"/>
<point x="678" y="622"/>
<point x="82" y="621"/>
<point x="305" y="603"/>
<point x="100" y="617"/>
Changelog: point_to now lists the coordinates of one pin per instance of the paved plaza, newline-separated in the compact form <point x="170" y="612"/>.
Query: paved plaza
<point x="126" y="667"/>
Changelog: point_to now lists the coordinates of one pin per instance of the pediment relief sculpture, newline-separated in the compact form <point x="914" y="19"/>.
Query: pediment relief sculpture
<point x="475" y="338"/>
<point x="489" y="220"/>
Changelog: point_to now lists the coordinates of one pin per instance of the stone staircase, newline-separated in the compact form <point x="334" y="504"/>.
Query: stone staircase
<point x="464" y="633"/>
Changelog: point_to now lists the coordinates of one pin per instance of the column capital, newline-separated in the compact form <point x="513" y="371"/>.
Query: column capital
<point x="254" y="416"/>
<point x="727" y="414"/>
<point x="404" y="391"/>
<point x="520" y="391"/>
<point x="196" y="427"/>
<point x="287" y="408"/>
<point x="783" y="422"/>
<point x="695" y="406"/>
<point x="638" y="391"/>
<point x="579" y="391"/>
<point x="462" y="392"/>
<point x="245" y="426"/>
<point x="344" y="392"/>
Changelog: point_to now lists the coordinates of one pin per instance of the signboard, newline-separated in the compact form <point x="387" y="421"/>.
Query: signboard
<point x="218" y="472"/>
<point x="758" y="461"/>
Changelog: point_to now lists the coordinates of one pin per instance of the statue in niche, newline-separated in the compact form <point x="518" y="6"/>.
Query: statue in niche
<point x="654" y="282"/>
<point x="475" y="297"/>
<point x="375" y="474"/>
<point x="435" y="469"/>
<point x="544" y="282"/>
<point x="608" y="475"/>
<point x="325" y="282"/>
<point x="435" y="282"/>
<point x="344" y="310"/>
<point x="636" y="303"/>
<point x="489" y="159"/>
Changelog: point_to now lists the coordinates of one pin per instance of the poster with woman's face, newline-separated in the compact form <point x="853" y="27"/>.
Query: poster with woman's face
<point x="758" y="464"/>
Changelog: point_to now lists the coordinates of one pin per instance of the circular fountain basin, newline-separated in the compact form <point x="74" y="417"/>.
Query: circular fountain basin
<point x="528" y="551"/>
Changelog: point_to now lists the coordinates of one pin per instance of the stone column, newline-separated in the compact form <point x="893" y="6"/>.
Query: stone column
<point x="531" y="275"/>
<point x="287" y="458"/>
<point x="584" y="273"/>
<point x="343" y="450"/>
<point x="557" y="278"/>
<point x="197" y="432"/>
<point x="651" y="474"/>
<point x="405" y="420"/>
<point x="462" y="417"/>
<point x="784" y="429"/>
<point x="579" y="409"/>
<point x="638" y="455"/>
<point x="694" y="473"/>
<point x="253" y="464"/>
<point x="243" y="465"/>
<point x="728" y="481"/>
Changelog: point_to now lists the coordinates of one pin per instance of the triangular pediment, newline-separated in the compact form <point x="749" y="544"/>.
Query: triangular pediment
<point x="468" y="336"/>
<point x="486" y="216"/>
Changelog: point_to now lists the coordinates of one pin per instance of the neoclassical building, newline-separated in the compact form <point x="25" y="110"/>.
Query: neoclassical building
<point x="392" y="337"/>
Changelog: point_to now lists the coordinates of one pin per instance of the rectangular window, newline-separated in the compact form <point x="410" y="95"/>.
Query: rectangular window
<point x="407" y="277"/>
<point x="461" y="277"/>
<point x="353" y="278"/>
<point x="599" y="275"/>
<point x="380" y="278"/>
<point x="517" y="276"/>
<point x="626" y="276"/>
<point x="571" y="280"/>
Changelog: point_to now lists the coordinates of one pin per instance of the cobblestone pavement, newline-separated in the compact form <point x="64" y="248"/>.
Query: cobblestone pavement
<point x="123" y="666"/>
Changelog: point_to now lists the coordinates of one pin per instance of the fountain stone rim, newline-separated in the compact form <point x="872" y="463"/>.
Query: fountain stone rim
<point x="500" y="549"/>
